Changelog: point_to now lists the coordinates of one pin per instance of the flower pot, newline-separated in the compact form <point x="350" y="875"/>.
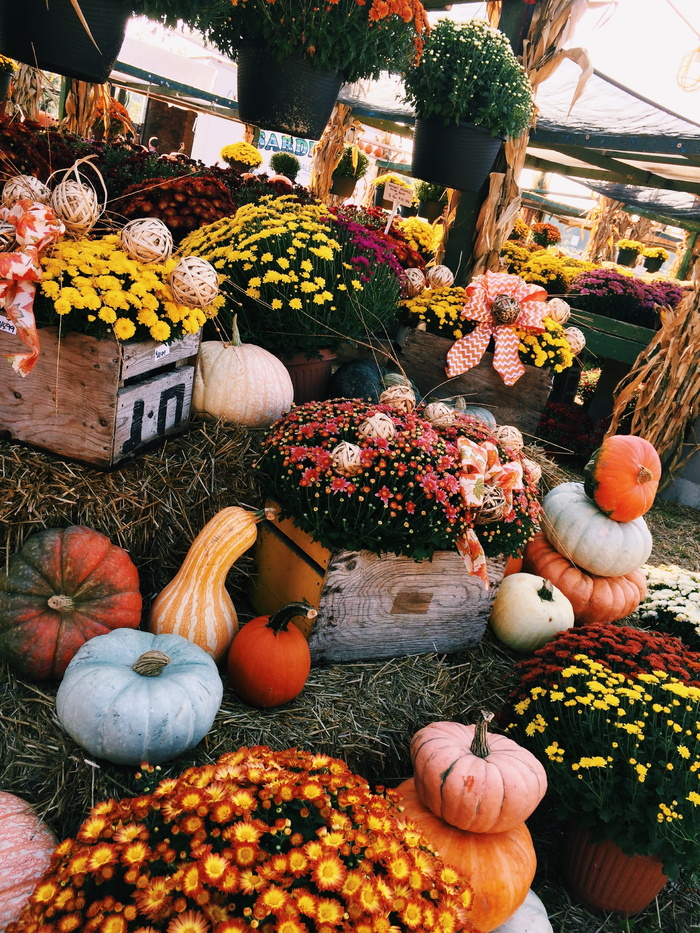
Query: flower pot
<point x="343" y="185"/>
<point x="5" y="81"/>
<point x="626" y="257"/>
<point x="408" y="210"/>
<point x="602" y="878"/>
<point x="288" y="97"/>
<point x="310" y="377"/>
<point x="653" y="263"/>
<point x="52" y="38"/>
<point x="238" y="165"/>
<point x="379" y="200"/>
<point x="431" y="210"/>
<point x="459" y="156"/>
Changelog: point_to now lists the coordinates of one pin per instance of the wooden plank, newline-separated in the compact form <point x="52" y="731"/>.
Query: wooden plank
<point x="607" y="325"/>
<point x="146" y="355"/>
<point x="423" y="358"/>
<point x="610" y="347"/>
<point x="152" y="409"/>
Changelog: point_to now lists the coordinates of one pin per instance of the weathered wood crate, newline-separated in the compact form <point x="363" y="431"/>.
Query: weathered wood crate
<point x="370" y="606"/>
<point x="610" y="339"/>
<point x="423" y="357"/>
<point x="97" y="401"/>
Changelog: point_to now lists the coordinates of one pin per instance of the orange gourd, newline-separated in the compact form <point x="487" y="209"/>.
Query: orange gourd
<point x="195" y="603"/>
<point x="473" y="780"/>
<point x="622" y="476"/>
<point x="269" y="660"/>
<point x="594" y="599"/>
<point x="499" y="867"/>
<point x="26" y="845"/>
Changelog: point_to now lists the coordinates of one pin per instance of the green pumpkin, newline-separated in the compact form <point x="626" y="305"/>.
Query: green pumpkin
<point x="132" y="696"/>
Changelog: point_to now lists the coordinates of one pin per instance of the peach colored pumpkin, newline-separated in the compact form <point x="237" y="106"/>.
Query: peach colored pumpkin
<point x="26" y="845"/>
<point x="499" y="867"/>
<point x="473" y="780"/>
<point x="594" y="599"/>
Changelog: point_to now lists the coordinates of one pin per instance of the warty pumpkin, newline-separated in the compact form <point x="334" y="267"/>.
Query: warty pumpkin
<point x="498" y="866"/>
<point x="195" y="604"/>
<point x="622" y="476"/>
<point x="593" y="598"/>
<point x="474" y="780"/>
<point x="576" y="527"/>
<point x="65" y="586"/>
<point x="26" y="844"/>
<point x="131" y="696"/>
<point x="528" y="611"/>
<point x="269" y="660"/>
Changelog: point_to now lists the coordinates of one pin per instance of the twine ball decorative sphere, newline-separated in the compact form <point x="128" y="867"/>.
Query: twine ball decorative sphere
<point x="505" y="309"/>
<point x="147" y="239"/>
<point x="24" y="186"/>
<point x="533" y="470"/>
<point x="558" y="310"/>
<point x="493" y="506"/>
<point x="76" y="205"/>
<point x="509" y="436"/>
<point x="415" y="282"/>
<point x="378" y="425"/>
<point x="576" y="339"/>
<point x="346" y="459"/>
<point x="194" y="282"/>
<point x="440" y="276"/>
<point x="399" y="397"/>
<point x="8" y="237"/>
<point x="439" y="414"/>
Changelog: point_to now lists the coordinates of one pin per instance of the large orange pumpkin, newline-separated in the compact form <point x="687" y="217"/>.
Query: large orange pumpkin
<point x="499" y="867"/>
<point x="594" y="599"/>
<point x="26" y="844"/>
<point x="622" y="476"/>
<point x="475" y="781"/>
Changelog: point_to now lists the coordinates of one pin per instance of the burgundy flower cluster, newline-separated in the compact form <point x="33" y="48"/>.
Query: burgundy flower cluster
<point x="568" y="433"/>
<point x="609" y="293"/>
<point x="374" y="219"/>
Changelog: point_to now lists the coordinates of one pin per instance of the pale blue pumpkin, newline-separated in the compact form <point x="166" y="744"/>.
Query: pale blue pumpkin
<point x="132" y="696"/>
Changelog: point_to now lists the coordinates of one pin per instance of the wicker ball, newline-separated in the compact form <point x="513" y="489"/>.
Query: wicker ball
<point x="399" y="397"/>
<point x="24" y="186"/>
<point x="533" y="470"/>
<point x="378" y="425"/>
<point x="493" y="507"/>
<point x="76" y="205"/>
<point x="439" y="414"/>
<point x="558" y="310"/>
<point x="509" y="436"/>
<point x="440" y="277"/>
<point x="8" y="237"/>
<point x="576" y="339"/>
<point x="346" y="459"/>
<point x="147" y="239"/>
<point x="415" y="282"/>
<point x="505" y="309"/>
<point x="194" y="282"/>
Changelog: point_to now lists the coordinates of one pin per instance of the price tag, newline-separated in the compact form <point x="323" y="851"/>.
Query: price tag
<point x="161" y="350"/>
<point x="397" y="194"/>
<point x="6" y="326"/>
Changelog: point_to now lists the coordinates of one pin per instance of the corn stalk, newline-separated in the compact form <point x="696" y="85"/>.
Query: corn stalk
<point x="328" y="151"/>
<point x="610" y="222"/>
<point x="81" y="106"/>
<point x="27" y="91"/>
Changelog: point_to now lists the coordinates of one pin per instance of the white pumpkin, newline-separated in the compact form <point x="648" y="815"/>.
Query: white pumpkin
<point x="528" y="611"/>
<point x="530" y="917"/>
<point x="241" y="383"/>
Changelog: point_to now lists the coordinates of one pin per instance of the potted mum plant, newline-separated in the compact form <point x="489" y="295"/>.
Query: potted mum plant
<point x="469" y="92"/>
<point x="431" y="200"/>
<point x="7" y="70"/>
<point x="627" y="251"/>
<point x="654" y="258"/>
<point x="351" y="168"/>
<point x="545" y="235"/>
<point x="242" y="156"/>
<point x="285" y="163"/>
<point x="379" y="184"/>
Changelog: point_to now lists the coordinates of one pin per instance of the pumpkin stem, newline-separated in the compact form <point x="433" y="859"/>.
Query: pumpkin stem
<point x="480" y="742"/>
<point x="644" y="475"/>
<point x="61" y="603"/>
<point x="546" y="591"/>
<point x="235" y="333"/>
<point x="281" y="619"/>
<point x="150" y="663"/>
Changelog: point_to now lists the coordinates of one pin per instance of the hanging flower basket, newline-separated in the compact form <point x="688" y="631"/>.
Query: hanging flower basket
<point x="50" y="36"/>
<point x="459" y="155"/>
<point x="287" y="97"/>
<point x="343" y="185"/>
<point x="431" y="210"/>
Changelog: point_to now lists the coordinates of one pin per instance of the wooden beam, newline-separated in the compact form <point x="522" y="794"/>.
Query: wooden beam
<point x="572" y="171"/>
<point x="633" y="143"/>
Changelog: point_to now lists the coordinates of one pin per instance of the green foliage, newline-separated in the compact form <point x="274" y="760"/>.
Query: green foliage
<point x="284" y="163"/>
<point x="468" y="73"/>
<point x="349" y="167"/>
<point x="426" y="191"/>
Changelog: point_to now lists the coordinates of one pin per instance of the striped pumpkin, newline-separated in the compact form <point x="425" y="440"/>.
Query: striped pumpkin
<point x="26" y="845"/>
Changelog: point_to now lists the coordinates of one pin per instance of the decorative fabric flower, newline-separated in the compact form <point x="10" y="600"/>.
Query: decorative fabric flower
<point x="500" y="304"/>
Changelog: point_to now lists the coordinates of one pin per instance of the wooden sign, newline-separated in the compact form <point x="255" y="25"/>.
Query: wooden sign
<point x="397" y="194"/>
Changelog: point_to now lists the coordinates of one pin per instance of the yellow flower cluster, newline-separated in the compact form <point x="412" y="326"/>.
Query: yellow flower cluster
<point x="420" y="235"/>
<point x="93" y="286"/>
<point x="549" y="350"/>
<point x="391" y="176"/>
<point x="241" y="152"/>
<point x="7" y="65"/>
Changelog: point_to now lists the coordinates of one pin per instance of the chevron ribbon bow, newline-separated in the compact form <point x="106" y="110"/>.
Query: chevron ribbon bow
<point x="499" y="303"/>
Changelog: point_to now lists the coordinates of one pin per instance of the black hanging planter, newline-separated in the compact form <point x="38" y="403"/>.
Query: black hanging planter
<point x="459" y="155"/>
<point x="343" y="185"/>
<point x="431" y="210"/>
<point x="287" y="97"/>
<point x="49" y="35"/>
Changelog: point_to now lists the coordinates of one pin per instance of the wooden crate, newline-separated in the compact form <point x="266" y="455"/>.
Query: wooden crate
<point x="610" y="339"/>
<point x="423" y="357"/>
<point x="370" y="606"/>
<point x="96" y="401"/>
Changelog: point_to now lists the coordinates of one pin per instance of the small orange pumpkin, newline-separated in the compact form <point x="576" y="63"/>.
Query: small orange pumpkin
<point x="499" y="867"/>
<point x="622" y="476"/>
<point x="594" y="599"/>
<point x="475" y="781"/>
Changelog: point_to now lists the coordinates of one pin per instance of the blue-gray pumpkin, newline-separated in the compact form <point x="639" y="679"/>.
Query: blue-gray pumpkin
<point x="132" y="696"/>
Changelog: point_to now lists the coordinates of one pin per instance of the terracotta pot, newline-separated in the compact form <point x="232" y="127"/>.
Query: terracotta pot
<point x="310" y="377"/>
<point x="601" y="877"/>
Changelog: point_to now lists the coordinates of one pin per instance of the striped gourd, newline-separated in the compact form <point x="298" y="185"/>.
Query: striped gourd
<point x="195" y="604"/>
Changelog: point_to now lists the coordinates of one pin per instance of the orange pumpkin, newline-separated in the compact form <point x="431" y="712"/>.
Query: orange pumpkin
<point x="622" y="476"/>
<point x="499" y="867"/>
<point x="594" y="599"/>
<point x="26" y="844"/>
<point x="475" y="781"/>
